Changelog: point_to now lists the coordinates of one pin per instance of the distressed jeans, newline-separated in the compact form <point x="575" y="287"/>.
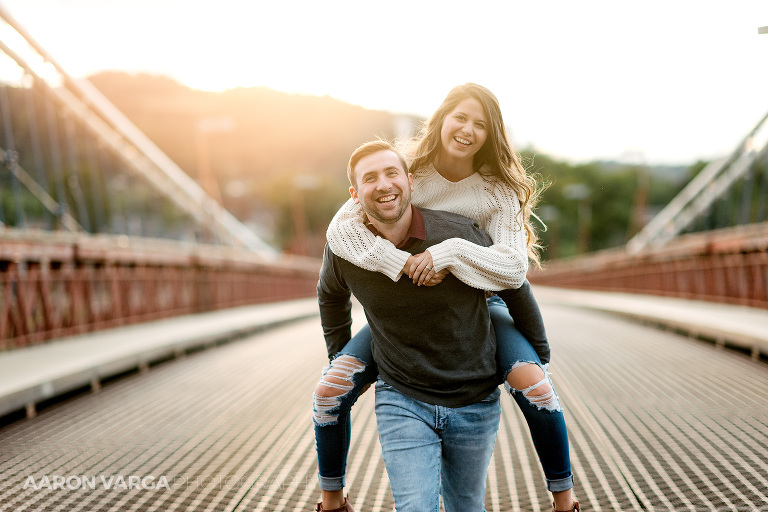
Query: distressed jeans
<point x="430" y="450"/>
<point x="544" y="415"/>
<point x="333" y="425"/>
<point x="546" y="424"/>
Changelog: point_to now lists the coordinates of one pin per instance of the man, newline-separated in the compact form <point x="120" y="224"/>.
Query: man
<point x="437" y="398"/>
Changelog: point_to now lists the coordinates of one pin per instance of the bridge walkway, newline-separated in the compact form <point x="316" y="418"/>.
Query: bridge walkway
<point x="657" y="421"/>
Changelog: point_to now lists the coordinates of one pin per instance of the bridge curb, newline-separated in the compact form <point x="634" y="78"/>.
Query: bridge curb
<point x="726" y="325"/>
<point x="31" y="375"/>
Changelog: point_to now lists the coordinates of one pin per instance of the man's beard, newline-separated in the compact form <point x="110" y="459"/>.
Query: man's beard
<point x="390" y="217"/>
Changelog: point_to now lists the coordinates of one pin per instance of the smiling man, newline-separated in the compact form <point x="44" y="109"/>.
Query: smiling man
<point x="382" y="186"/>
<point x="437" y="397"/>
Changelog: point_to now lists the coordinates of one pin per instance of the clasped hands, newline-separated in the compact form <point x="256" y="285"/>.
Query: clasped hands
<point x="420" y="271"/>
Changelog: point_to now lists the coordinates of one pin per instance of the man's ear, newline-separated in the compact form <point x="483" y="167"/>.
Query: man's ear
<point x="353" y="193"/>
<point x="410" y="179"/>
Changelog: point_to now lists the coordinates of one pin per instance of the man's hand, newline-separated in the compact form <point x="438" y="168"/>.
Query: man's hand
<point x="419" y="269"/>
<point x="436" y="277"/>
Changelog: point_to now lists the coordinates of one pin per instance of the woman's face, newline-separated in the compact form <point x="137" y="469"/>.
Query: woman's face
<point x="464" y="130"/>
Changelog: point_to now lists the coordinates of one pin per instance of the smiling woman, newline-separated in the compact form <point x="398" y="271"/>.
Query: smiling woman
<point x="462" y="135"/>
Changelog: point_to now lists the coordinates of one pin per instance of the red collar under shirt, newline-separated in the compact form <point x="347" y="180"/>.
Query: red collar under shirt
<point x="416" y="231"/>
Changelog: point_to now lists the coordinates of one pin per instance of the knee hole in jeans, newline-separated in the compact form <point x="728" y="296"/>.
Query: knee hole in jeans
<point x="533" y="382"/>
<point x="336" y="382"/>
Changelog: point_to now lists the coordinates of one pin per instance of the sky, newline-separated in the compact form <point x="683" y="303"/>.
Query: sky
<point x="657" y="82"/>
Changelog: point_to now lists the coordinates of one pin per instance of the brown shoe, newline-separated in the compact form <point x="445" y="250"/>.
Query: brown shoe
<point x="574" y="508"/>
<point x="344" y="508"/>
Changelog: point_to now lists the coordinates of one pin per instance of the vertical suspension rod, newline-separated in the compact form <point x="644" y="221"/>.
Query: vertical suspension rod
<point x="37" y="150"/>
<point x="10" y="159"/>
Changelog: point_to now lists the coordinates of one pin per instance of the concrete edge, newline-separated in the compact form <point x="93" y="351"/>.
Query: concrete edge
<point x="757" y="347"/>
<point x="26" y="398"/>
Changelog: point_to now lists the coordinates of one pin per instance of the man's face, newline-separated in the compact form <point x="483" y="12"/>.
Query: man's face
<point x="383" y="186"/>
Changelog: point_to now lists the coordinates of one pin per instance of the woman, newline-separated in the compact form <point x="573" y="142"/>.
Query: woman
<point x="464" y="163"/>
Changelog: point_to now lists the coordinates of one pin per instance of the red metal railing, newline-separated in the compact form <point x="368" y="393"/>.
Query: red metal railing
<point x="722" y="266"/>
<point x="59" y="285"/>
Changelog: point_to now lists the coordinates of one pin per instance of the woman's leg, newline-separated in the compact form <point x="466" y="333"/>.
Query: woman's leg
<point x="529" y="384"/>
<point x="347" y="377"/>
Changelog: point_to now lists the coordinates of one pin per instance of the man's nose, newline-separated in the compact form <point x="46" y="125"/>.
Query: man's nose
<point x="384" y="183"/>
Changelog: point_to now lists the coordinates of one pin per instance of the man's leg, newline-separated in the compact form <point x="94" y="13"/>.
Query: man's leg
<point x="468" y="439"/>
<point x="411" y="449"/>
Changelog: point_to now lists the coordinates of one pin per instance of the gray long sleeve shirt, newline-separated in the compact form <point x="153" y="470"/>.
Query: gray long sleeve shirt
<point x="434" y="344"/>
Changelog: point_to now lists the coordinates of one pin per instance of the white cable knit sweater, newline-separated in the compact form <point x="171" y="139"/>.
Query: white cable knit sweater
<point x="496" y="209"/>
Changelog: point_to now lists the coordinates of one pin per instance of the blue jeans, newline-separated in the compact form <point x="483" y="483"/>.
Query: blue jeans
<point x="547" y="426"/>
<point x="431" y="450"/>
<point x="333" y="426"/>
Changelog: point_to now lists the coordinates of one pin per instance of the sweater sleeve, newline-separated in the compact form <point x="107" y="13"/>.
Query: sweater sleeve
<point x="525" y="312"/>
<point x="502" y="265"/>
<point x="334" y="301"/>
<point x="349" y="239"/>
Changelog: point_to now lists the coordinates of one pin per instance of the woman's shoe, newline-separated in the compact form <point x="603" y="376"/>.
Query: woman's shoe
<point x="344" y="508"/>
<point x="574" y="508"/>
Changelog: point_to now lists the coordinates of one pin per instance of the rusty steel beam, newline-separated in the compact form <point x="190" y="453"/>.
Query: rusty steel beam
<point x="54" y="285"/>
<point x="84" y="104"/>
<point x="702" y="191"/>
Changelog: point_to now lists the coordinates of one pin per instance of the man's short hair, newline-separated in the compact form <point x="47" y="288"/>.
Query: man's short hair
<point x="370" y="148"/>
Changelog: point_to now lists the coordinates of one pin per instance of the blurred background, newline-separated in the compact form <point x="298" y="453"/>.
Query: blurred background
<point x="616" y="107"/>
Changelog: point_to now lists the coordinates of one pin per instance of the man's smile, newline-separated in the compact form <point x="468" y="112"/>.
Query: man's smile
<point x="387" y="199"/>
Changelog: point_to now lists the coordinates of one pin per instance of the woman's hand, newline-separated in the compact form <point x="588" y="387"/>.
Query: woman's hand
<point x="419" y="269"/>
